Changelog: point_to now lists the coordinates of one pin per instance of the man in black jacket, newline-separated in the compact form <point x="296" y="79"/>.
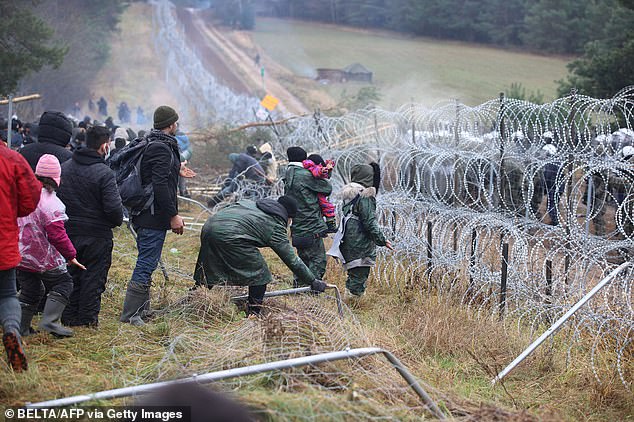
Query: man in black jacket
<point x="93" y="205"/>
<point x="54" y="134"/>
<point x="160" y="167"/>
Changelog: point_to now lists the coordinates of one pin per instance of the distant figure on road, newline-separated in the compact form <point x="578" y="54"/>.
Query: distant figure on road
<point x="124" y="112"/>
<point x="103" y="106"/>
<point x="140" y="116"/>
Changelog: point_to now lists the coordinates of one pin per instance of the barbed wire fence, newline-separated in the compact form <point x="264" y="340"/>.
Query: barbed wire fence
<point x="522" y="208"/>
<point x="516" y="208"/>
<point x="199" y="91"/>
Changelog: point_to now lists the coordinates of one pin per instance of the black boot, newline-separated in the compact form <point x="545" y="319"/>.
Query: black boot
<point x="134" y="304"/>
<point x="27" y="316"/>
<point x="55" y="304"/>
<point x="255" y="300"/>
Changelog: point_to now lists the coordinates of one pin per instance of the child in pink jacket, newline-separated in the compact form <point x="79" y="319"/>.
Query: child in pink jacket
<point x="45" y="249"/>
<point x="322" y="170"/>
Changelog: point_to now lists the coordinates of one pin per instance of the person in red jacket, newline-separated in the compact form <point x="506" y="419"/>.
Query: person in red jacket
<point x="19" y="196"/>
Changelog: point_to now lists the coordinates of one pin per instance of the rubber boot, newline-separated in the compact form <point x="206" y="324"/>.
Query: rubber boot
<point x="134" y="304"/>
<point x="27" y="316"/>
<point x="55" y="304"/>
<point x="15" y="352"/>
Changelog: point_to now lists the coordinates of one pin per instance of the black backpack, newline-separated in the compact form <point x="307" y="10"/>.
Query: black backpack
<point x="127" y="169"/>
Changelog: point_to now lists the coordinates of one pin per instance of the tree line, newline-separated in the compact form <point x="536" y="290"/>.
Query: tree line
<point x="552" y="26"/>
<point x="599" y="32"/>
<point x="55" y="47"/>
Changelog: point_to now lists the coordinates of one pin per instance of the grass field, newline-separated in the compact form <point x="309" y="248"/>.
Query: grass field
<point x="421" y="69"/>
<point x="452" y="349"/>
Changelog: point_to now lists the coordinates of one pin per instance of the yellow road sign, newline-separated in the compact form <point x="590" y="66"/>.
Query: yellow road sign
<point x="269" y="102"/>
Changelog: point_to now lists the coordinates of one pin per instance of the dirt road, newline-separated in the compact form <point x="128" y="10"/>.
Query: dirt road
<point x="232" y="65"/>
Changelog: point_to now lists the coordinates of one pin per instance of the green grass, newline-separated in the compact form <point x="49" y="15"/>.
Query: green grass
<point x="421" y="69"/>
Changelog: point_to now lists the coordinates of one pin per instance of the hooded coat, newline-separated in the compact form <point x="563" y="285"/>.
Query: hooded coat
<point x="300" y="184"/>
<point x="230" y="240"/>
<point x="362" y="233"/>
<point x="54" y="133"/>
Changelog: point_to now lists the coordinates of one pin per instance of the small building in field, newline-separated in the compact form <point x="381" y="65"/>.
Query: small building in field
<point x="355" y="72"/>
<point x="358" y="72"/>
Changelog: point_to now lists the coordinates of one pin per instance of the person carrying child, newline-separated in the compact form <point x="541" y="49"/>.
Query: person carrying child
<point x="45" y="249"/>
<point x="322" y="169"/>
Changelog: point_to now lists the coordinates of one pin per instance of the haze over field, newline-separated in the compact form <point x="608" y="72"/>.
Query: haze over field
<point x="422" y="69"/>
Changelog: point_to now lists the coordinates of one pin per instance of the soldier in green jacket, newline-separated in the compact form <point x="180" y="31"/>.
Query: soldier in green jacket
<point x="308" y="228"/>
<point x="362" y="233"/>
<point x="229" y="245"/>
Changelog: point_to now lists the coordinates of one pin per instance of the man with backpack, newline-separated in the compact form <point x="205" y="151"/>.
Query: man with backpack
<point x="93" y="205"/>
<point x="159" y="172"/>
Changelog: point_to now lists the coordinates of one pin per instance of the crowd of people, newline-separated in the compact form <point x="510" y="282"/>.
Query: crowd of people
<point x="63" y="201"/>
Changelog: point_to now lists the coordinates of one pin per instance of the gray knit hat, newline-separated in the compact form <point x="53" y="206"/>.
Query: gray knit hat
<point x="164" y="116"/>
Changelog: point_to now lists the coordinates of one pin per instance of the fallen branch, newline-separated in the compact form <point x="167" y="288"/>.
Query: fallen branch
<point x="266" y="123"/>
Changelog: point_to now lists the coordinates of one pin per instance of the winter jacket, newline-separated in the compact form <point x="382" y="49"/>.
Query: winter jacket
<point x="230" y="240"/>
<point x="160" y="166"/>
<point x="44" y="244"/>
<point x="303" y="187"/>
<point x="247" y="166"/>
<point x="322" y="172"/>
<point x="54" y="133"/>
<point x="33" y="152"/>
<point x="19" y="196"/>
<point x="91" y="196"/>
<point x="362" y="234"/>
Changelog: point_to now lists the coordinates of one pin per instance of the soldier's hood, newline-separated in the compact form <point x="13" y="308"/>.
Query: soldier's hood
<point x="272" y="207"/>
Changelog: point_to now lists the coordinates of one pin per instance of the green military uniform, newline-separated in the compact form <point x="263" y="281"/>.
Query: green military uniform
<point x="230" y="240"/>
<point x="515" y="187"/>
<point x="362" y="233"/>
<point x="308" y="225"/>
<point x="620" y="186"/>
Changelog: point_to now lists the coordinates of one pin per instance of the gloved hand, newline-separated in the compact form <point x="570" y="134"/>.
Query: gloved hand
<point x="318" y="285"/>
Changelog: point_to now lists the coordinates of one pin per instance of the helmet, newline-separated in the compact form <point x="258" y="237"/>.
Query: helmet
<point x="627" y="152"/>
<point x="550" y="149"/>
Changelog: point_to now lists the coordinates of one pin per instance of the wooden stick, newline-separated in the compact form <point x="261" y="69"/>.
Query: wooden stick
<point x="20" y="99"/>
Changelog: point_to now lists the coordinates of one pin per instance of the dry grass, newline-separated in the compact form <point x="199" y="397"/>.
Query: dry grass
<point x="452" y="349"/>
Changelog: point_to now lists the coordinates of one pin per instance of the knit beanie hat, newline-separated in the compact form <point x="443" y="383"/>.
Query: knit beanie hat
<point x="252" y="150"/>
<point x="164" y="116"/>
<point x="48" y="166"/>
<point x="317" y="159"/>
<point x="289" y="204"/>
<point x="362" y="174"/>
<point x="296" y="154"/>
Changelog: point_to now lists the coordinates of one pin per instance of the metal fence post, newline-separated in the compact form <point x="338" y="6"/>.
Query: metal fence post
<point x="504" y="277"/>
<point x="549" y="280"/>
<point x="10" y="120"/>
<point x="472" y="259"/>
<point x="429" y="245"/>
